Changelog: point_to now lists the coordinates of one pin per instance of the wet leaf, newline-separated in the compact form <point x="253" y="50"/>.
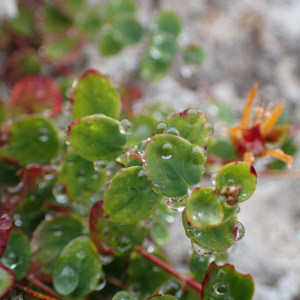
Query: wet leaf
<point x="194" y="54"/>
<point x="203" y="208"/>
<point x="163" y="297"/>
<point x="144" y="276"/>
<point x="7" y="278"/>
<point x="190" y="125"/>
<point x="124" y="296"/>
<point x="221" y="111"/>
<point x="32" y="139"/>
<point x="91" y="22"/>
<point x="79" y="177"/>
<point x="35" y="94"/>
<point x="221" y="147"/>
<point x="50" y="237"/>
<point x="17" y="254"/>
<point x="238" y="174"/>
<point x="112" y="238"/>
<point x="224" y="282"/>
<point x="78" y="269"/>
<point x="93" y="94"/>
<point x="123" y="6"/>
<point x="171" y="287"/>
<point x="22" y="24"/>
<point x="217" y="238"/>
<point x="109" y="45"/>
<point x="5" y="228"/>
<point x="101" y="134"/>
<point x="159" y="234"/>
<point x="171" y="165"/>
<point x="198" y="265"/>
<point x="55" y="20"/>
<point x="129" y="196"/>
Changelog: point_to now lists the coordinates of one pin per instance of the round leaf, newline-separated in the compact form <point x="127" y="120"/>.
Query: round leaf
<point x="17" y="255"/>
<point x="109" y="45"/>
<point x="7" y="278"/>
<point x="224" y="282"/>
<point x="50" y="237"/>
<point x="218" y="238"/>
<point x="96" y="138"/>
<point x="32" y="140"/>
<point x="203" y="208"/>
<point x="124" y="296"/>
<point x="199" y="265"/>
<point x="171" y="165"/>
<point x="129" y="196"/>
<point x="78" y="269"/>
<point x="238" y="174"/>
<point x="93" y="94"/>
<point x="121" y="6"/>
<point x="189" y="127"/>
<point x="194" y="54"/>
<point x="160" y="234"/>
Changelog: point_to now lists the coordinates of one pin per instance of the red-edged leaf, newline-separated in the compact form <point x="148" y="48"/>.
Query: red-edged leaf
<point x="13" y="196"/>
<point x="35" y="94"/>
<point x="7" y="278"/>
<point x="5" y="227"/>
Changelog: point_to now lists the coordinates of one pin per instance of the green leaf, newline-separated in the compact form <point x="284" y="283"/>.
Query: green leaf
<point x="23" y="24"/>
<point x="7" y="278"/>
<point x="221" y="110"/>
<point x="55" y="20"/>
<point x="171" y="165"/>
<point x="199" y="265"/>
<point x="61" y="46"/>
<point x="32" y="140"/>
<point x="109" y="45"/>
<point x="78" y="269"/>
<point x="144" y="276"/>
<point x="217" y="238"/>
<point x="171" y="287"/>
<point x="159" y="234"/>
<point x="203" y="208"/>
<point x="79" y="176"/>
<point x="112" y="237"/>
<point x="17" y="254"/>
<point x="127" y="30"/>
<point x="8" y="173"/>
<point x="93" y="94"/>
<point x="115" y="7"/>
<point x="163" y="297"/>
<point x="96" y="138"/>
<point x="2" y="111"/>
<point x="238" y="174"/>
<point x="224" y="282"/>
<point x="167" y="21"/>
<point x="129" y="196"/>
<point x="124" y="296"/>
<point x="194" y="54"/>
<point x="221" y="147"/>
<point x="190" y="124"/>
<point x="50" y="237"/>
<point x="91" y="22"/>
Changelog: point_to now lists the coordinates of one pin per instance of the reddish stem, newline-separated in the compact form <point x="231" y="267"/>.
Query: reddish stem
<point x="57" y="208"/>
<point x="134" y="154"/>
<point x="31" y="278"/>
<point x="32" y="293"/>
<point x="191" y="282"/>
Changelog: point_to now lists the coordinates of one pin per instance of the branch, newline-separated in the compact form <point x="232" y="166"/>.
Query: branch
<point x="134" y="154"/>
<point x="189" y="281"/>
<point x="32" y="293"/>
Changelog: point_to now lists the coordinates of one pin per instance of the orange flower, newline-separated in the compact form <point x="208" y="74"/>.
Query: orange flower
<point x="250" y="136"/>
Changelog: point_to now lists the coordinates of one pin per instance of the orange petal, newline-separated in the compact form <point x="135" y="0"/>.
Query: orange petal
<point x="247" y="110"/>
<point x="270" y="122"/>
<point x="278" y="153"/>
<point x="249" y="158"/>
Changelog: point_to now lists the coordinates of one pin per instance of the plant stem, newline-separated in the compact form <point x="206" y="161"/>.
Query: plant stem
<point x="31" y="278"/>
<point x="32" y="293"/>
<point x="134" y="154"/>
<point x="189" y="281"/>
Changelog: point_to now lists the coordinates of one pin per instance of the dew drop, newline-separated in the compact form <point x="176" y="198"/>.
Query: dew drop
<point x="141" y="173"/>
<point x="44" y="138"/>
<point x="202" y="251"/>
<point x="172" y="131"/>
<point x="66" y="106"/>
<point x="141" y="147"/>
<point x="100" y="165"/>
<point x="157" y="188"/>
<point x="190" y="116"/>
<point x="126" y="127"/>
<point x="106" y="258"/>
<point x="81" y="254"/>
<point x="220" y="288"/>
<point x="101" y="283"/>
<point x="214" y="178"/>
<point x="67" y="281"/>
<point x="177" y="204"/>
<point x="159" y="128"/>
<point x="167" y="151"/>
<point x="206" y="130"/>
<point x="5" y="221"/>
<point x="59" y="193"/>
<point x="238" y="231"/>
<point x="198" y="156"/>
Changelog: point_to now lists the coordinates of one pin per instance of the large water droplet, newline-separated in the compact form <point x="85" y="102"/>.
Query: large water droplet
<point x="81" y="254"/>
<point x="101" y="283"/>
<point x="214" y="178"/>
<point x="238" y="231"/>
<point x="220" y="288"/>
<point x="105" y="258"/>
<point x="67" y="281"/>
<point x="159" y="128"/>
<point x="141" y="147"/>
<point x="202" y="251"/>
<point x="157" y="187"/>
<point x="100" y="165"/>
<point x="126" y="127"/>
<point x="177" y="204"/>
<point x="190" y="116"/>
<point x="206" y="130"/>
<point x="5" y="221"/>
<point x="59" y="193"/>
<point x="167" y="151"/>
<point x="198" y="156"/>
<point x="172" y="131"/>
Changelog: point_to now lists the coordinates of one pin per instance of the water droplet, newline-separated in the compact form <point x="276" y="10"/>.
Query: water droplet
<point x="220" y="288"/>
<point x="106" y="258"/>
<point x="58" y="233"/>
<point x="157" y="188"/>
<point x="141" y="147"/>
<point x="59" y="193"/>
<point x="167" y="151"/>
<point x="67" y="281"/>
<point x="206" y="130"/>
<point x="100" y="165"/>
<point x="44" y="138"/>
<point x="55" y="163"/>
<point x="172" y="131"/>
<point x="214" y="178"/>
<point x="67" y="106"/>
<point x="5" y="221"/>
<point x="190" y="116"/>
<point x="17" y="188"/>
<point x="198" y="156"/>
<point x="126" y="127"/>
<point x="177" y="204"/>
<point x="159" y="128"/>
<point x="81" y="254"/>
<point x="202" y="251"/>
<point x="239" y="231"/>
<point x="141" y="173"/>
<point x="101" y="283"/>
<point x="189" y="70"/>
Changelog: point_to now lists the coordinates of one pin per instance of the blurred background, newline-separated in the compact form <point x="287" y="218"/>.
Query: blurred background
<point x="236" y="44"/>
